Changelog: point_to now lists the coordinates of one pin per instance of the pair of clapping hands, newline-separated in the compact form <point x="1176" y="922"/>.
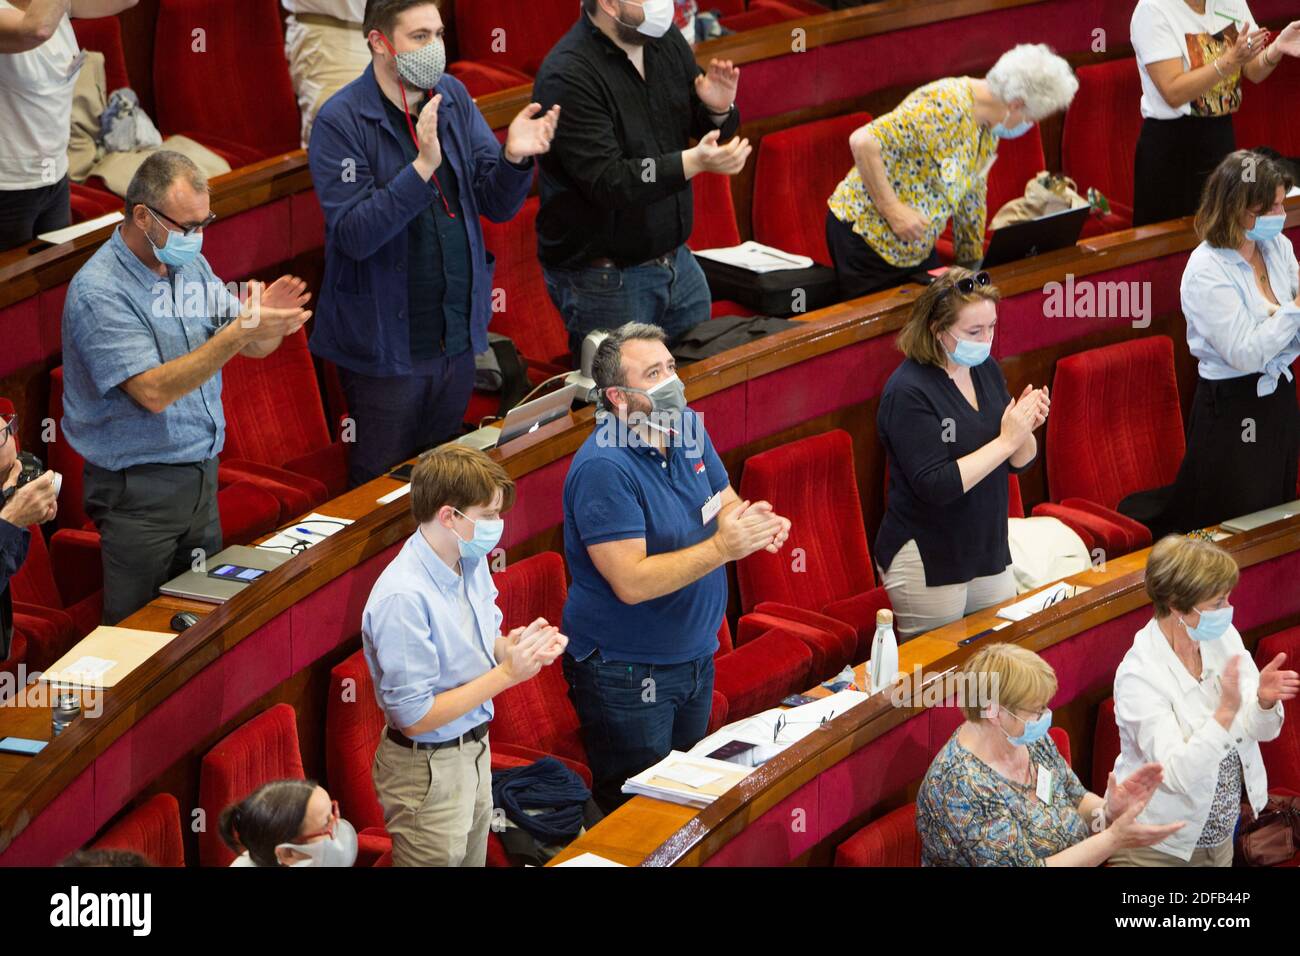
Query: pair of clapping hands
<point x="526" y="650"/>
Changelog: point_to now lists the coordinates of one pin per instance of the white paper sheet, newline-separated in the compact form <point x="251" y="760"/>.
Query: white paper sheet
<point x="756" y="257"/>
<point x="67" y="234"/>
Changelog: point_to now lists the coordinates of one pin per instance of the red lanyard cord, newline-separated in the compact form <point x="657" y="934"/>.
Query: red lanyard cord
<point x="406" y="111"/>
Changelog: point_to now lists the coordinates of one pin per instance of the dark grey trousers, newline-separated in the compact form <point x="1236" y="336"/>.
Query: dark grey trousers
<point x="151" y="520"/>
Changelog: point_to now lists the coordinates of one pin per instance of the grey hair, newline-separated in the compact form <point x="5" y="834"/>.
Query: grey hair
<point x="153" y="180"/>
<point x="607" y="363"/>
<point x="1032" y="72"/>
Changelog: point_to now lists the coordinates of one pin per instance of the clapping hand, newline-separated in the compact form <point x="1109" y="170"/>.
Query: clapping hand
<point x="286" y="292"/>
<point x="1288" y="41"/>
<point x="778" y="539"/>
<point x="531" y="132"/>
<point x="1248" y="46"/>
<point x="717" y="86"/>
<point x="1276" y="684"/>
<point x="1041" y="401"/>
<point x="1135" y="790"/>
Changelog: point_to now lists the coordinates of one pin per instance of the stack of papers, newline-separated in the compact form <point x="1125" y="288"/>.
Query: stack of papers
<point x="1058" y="592"/>
<point x="67" y="234"/>
<point x="691" y="781"/>
<point x="756" y="257"/>
<point x="761" y="729"/>
<point x="305" y="533"/>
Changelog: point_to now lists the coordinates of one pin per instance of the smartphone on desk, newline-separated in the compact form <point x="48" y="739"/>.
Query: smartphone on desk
<point x="21" y="746"/>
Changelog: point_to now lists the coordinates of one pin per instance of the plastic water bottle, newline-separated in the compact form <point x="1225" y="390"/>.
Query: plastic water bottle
<point x="67" y="708"/>
<point x="884" y="653"/>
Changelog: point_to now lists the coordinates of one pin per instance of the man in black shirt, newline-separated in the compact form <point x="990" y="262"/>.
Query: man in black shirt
<point x="616" y="202"/>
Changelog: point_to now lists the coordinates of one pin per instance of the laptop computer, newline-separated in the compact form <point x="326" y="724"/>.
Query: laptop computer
<point x="1258" y="519"/>
<point x="521" y="420"/>
<point x="1057" y="230"/>
<point x="198" y="586"/>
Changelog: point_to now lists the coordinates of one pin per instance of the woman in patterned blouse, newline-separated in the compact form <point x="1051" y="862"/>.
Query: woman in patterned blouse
<point x="927" y="161"/>
<point x="999" y="793"/>
<point x="1188" y="694"/>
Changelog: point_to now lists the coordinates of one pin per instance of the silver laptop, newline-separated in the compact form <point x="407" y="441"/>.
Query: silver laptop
<point x="1260" y="518"/>
<point x="238" y="566"/>
<point x="522" y="420"/>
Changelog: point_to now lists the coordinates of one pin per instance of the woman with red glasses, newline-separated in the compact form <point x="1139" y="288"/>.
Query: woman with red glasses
<point x="288" y="823"/>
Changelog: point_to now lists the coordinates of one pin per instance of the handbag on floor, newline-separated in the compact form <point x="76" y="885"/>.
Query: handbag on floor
<point x="1272" y="838"/>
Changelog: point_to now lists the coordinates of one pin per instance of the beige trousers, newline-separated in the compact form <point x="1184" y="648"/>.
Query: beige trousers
<point x="1220" y="855"/>
<point x="437" y="803"/>
<point x="919" y="608"/>
<point x="323" y="58"/>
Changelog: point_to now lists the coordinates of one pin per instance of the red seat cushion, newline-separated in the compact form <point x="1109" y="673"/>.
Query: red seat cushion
<point x="891" y="840"/>
<point x="758" y="675"/>
<point x="796" y="172"/>
<point x="481" y="79"/>
<point x="261" y="751"/>
<point x="1108" y="100"/>
<point x="153" y="829"/>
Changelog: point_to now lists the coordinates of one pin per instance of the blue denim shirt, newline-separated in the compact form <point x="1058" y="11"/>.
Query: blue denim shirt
<point x="369" y="192"/>
<point x="120" y="319"/>
<point x="414" y="640"/>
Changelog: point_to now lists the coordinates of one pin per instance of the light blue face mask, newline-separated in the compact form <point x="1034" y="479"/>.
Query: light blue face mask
<point x="179" y="250"/>
<point x="1266" y="228"/>
<point x="1035" y="730"/>
<point x="1014" y="132"/>
<point x="487" y="534"/>
<point x="1214" y="624"/>
<point x="970" y="353"/>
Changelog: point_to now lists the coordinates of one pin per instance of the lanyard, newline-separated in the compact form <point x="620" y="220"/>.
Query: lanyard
<point x="406" y="112"/>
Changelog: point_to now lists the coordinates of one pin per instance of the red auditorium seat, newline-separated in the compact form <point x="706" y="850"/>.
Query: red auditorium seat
<point x="1100" y="134"/>
<point x="756" y="676"/>
<point x="764" y="13"/>
<point x="247" y="512"/>
<point x="1257" y="122"/>
<point x="251" y="112"/>
<point x="715" y="226"/>
<point x="507" y="33"/>
<point x="63" y="584"/>
<point x="262" y="750"/>
<point x="1116" y="428"/>
<point x="1282" y="755"/>
<point x="480" y="79"/>
<point x="88" y="203"/>
<point x="276" y="433"/>
<point x="796" y="172"/>
<point x="1105" y="745"/>
<point x="153" y="829"/>
<point x="812" y="482"/>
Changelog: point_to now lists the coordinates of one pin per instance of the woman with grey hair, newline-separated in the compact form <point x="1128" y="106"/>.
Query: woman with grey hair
<point x="927" y="161"/>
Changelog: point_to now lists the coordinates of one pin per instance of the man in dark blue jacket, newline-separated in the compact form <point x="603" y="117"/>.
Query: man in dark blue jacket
<point x="403" y="164"/>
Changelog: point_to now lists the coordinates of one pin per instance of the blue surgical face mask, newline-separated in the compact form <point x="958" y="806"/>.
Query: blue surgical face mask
<point x="1035" y="730"/>
<point x="487" y="534"/>
<point x="179" y="250"/>
<point x="970" y="353"/>
<point x="1266" y="228"/>
<point x="1214" y="624"/>
<point x="1013" y="132"/>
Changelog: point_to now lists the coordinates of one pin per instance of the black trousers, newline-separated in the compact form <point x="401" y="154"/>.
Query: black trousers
<point x="860" y="268"/>
<point x="24" y="213"/>
<point x="1172" y="162"/>
<point x="1241" y="457"/>
<point x="152" y="519"/>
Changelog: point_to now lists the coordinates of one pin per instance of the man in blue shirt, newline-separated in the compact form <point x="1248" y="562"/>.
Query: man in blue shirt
<point x="34" y="503"/>
<point x="147" y="328"/>
<point x="650" y="519"/>
<point x="402" y="180"/>
<point x="431" y="633"/>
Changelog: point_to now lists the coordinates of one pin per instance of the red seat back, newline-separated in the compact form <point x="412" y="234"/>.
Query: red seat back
<point x="273" y="406"/>
<point x="34" y="583"/>
<point x="527" y="315"/>
<point x="1116" y="425"/>
<point x="263" y="750"/>
<point x="1105" y="745"/>
<point x="354" y="725"/>
<point x="1257" y="122"/>
<point x="537" y="713"/>
<point x="510" y="33"/>
<point x="1282" y="754"/>
<point x="230" y="80"/>
<point x="1019" y="160"/>
<point x="1062" y="741"/>
<point x="153" y="829"/>
<point x="104" y="35"/>
<point x="796" y="172"/>
<point x="1101" y="129"/>
<point x="812" y="482"/>
<point x="891" y="840"/>
<point x="715" y="213"/>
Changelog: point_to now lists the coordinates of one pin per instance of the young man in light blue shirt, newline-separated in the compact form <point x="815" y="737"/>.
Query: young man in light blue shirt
<point x="431" y="633"/>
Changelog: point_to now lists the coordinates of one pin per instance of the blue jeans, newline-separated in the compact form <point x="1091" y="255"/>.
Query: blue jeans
<point x="671" y="293"/>
<point x="633" y="715"/>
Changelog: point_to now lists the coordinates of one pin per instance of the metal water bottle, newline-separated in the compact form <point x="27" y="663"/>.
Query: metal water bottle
<point x="883" y="668"/>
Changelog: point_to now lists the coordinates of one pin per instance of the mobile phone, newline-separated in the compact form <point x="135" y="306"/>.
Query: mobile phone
<point x="797" y="700"/>
<point x="731" y="750"/>
<point x="236" y="572"/>
<point x="22" y="746"/>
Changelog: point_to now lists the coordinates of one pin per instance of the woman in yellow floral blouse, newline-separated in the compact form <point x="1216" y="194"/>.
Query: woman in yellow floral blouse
<point x="928" y="161"/>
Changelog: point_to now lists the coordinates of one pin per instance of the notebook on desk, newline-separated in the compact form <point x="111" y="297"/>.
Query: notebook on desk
<point x="1257" y="519"/>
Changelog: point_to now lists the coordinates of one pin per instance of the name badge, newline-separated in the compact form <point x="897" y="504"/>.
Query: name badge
<point x="711" y="508"/>
<point x="1044" y="788"/>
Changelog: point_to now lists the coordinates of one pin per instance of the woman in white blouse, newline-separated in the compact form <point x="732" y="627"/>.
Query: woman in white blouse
<point x="1241" y="300"/>
<point x="1188" y="696"/>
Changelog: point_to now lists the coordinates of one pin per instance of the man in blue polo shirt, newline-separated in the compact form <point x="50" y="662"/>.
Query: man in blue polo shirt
<point x="650" y="519"/>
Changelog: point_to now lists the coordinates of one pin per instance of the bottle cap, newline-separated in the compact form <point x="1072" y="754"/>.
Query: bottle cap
<point x="884" y="616"/>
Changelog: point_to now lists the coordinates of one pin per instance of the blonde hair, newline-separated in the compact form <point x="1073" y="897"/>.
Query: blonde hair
<point x="1245" y="182"/>
<point x="458" y="476"/>
<point x="936" y="311"/>
<point x="1182" y="572"/>
<point x="1018" y="679"/>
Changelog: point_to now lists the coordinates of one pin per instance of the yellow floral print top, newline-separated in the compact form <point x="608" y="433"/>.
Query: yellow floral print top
<point x="937" y="158"/>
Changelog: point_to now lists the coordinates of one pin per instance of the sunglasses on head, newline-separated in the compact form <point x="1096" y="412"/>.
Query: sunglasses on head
<point x="967" y="285"/>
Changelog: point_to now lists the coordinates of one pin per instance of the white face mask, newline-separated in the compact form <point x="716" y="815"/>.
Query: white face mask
<point x="337" y="850"/>
<point x="658" y="18"/>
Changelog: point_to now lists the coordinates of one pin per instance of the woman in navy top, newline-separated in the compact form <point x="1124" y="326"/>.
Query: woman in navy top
<point x="952" y="434"/>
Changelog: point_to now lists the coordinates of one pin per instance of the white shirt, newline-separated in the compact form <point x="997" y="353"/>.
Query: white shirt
<point x="1171" y="30"/>
<point x="243" y="860"/>
<point x="1166" y="716"/>
<point x="1232" y="330"/>
<point x="353" y="11"/>
<point x="36" y="109"/>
